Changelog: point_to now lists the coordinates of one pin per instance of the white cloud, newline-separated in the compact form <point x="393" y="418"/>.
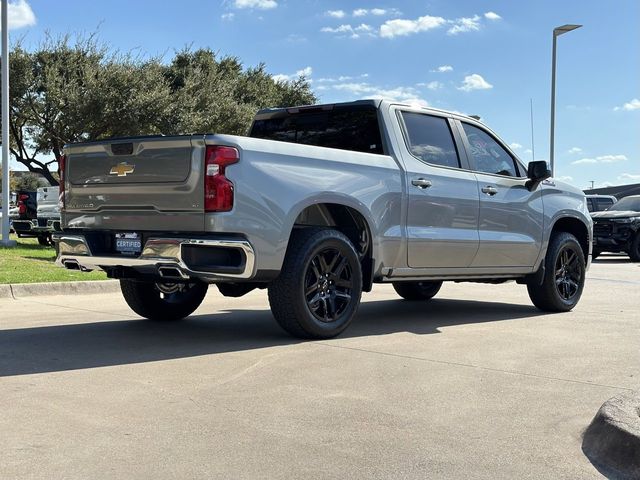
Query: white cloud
<point x="378" y="11"/>
<point x="565" y="178"/>
<point x="443" y="69"/>
<point x="341" y="78"/>
<point x="492" y="16"/>
<point x="465" y="24"/>
<point x="515" y="146"/>
<point x="259" y="4"/>
<point x="435" y="85"/>
<point x="474" y="82"/>
<point x="360" y="12"/>
<point x="600" y="159"/>
<point x="20" y="15"/>
<point x="629" y="176"/>
<point x="402" y="27"/>
<point x="574" y="150"/>
<point x="303" y="72"/>
<point x="353" y="32"/>
<point x="528" y="150"/>
<point x="336" y="13"/>
<point x="227" y="16"/>
<point x="401" y="94"/>
<point x="629" y="106"/>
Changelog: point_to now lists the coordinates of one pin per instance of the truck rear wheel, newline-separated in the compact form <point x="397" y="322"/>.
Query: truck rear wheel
<point x="318" y="290"/>
<point x="163" y="301"/>
<point x="417" y="290"/>
<point x="564" y="275"/>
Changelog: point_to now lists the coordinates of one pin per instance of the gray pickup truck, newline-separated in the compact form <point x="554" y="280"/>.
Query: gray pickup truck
<point x="316" y="204"/>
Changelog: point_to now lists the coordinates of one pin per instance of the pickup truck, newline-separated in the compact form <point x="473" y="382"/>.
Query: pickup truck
<point x="39" y="214"/>
<point x="317" y="204"/>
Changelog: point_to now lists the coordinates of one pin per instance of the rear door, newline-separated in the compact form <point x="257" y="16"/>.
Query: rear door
<point x="443" y="203"/>
<point x="148" y="183"/>
<point x="510" y="221"/>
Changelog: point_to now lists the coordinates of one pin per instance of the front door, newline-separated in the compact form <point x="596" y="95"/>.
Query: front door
<point x="511" y="217"/>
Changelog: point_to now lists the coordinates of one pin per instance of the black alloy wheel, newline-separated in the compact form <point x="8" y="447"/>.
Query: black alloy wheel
<point x="563" y="275"/>
<point x="318" y="290"/>
<point x="328" y="285"/>
<point x="568" y="273"/>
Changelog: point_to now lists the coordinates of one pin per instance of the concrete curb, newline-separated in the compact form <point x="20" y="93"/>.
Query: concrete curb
<point x="20" y="290"/>
<point x="612" y="440"/>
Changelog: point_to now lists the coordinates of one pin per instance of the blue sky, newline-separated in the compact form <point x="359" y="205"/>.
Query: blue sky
<point x="479" y="57"/>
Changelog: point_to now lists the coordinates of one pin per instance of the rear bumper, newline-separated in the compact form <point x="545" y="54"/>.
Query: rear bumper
<point x="170" y="258"/>
<point x="35" y="227"/>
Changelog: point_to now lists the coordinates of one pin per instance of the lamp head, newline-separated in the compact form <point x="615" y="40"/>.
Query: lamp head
<point x="564" y="29"/>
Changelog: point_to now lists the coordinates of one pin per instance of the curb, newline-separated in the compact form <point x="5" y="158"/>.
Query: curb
<point x="612" y="440"/>
<point x="20" y="290"/>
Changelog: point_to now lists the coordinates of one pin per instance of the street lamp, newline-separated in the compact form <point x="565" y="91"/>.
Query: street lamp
<point x="5" y="242"/>
<point x="556" y="33"/>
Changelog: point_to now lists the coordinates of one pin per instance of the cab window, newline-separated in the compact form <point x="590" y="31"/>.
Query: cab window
<point x="429" y="139"/>
<point x="487" y="154"/>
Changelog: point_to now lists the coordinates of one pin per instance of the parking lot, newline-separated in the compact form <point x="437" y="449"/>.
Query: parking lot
<point x="475" y="384"/>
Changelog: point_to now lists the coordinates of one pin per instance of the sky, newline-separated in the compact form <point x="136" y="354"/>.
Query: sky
<point x="490" y="58"/>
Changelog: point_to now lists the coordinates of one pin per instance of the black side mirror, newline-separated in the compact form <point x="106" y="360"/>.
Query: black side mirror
<point x="537" y="171"/>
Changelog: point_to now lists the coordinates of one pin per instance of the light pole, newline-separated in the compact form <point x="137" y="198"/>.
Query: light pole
<point x="5" y="242"/>
<point x="556" y="33"/>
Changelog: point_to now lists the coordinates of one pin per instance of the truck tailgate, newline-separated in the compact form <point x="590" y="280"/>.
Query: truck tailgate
<point x="146" y="183"/>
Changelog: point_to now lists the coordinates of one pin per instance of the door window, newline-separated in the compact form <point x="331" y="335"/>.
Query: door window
<point x="429" y="139"/>
<point x="487" y="154"/>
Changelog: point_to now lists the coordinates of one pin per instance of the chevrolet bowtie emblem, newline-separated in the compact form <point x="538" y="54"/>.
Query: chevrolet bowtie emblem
<point x="122" y="169"/>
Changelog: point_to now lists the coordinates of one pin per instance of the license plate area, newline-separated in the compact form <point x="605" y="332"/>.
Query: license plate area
<point x="128" y="243"/>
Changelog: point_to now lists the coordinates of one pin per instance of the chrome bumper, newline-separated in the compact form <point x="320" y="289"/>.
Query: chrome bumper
<point x="161" y="254"/>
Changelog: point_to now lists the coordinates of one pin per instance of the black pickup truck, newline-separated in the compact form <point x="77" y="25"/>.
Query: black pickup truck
<point x="617" y="229"/>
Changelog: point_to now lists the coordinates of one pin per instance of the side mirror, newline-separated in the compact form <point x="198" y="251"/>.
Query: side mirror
<point x="537" y="171"/>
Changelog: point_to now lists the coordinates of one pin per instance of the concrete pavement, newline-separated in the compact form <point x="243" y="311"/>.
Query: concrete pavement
<point x="475" y="384"/>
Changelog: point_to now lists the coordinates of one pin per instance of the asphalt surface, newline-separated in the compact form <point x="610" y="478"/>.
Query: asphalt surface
<point x="475" y="384"/>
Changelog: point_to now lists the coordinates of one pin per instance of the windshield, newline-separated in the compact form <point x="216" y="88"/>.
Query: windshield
<point x="628" y="203"/>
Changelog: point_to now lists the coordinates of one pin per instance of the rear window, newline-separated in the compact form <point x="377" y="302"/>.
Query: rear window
<point x="347" y="128"/>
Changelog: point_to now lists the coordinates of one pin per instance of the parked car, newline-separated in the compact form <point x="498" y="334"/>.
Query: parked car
<point x="39" y="214"/>
<point x="316" y="205"/>
<point x="618" y="228"/>
<point x="599" y="203"/>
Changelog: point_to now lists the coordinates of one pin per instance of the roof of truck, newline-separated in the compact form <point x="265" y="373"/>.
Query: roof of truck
<point x="375" y="102"/>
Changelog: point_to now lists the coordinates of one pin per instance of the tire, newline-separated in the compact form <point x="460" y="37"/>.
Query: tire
<point x="318" y="290"/>
<point x="417" y="290"/>
<point x="178" y="300"/>
<point x="564" y="275"/>
<point x="45" y="240"/>
<point x="595" y="253"/>
<point x="634" y="249"/>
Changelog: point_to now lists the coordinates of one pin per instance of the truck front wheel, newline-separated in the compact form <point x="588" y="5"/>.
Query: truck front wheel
<point x="163" y="301"/>
<point x="564" y="275"/>
<point x="417" y="290"/>
<point x="318" y="290"/>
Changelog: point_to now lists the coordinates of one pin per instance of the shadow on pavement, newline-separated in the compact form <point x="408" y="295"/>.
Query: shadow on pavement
<point x="98" y="344"/>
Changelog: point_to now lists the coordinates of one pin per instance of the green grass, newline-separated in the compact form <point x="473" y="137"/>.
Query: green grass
<point x="32" y="263"/>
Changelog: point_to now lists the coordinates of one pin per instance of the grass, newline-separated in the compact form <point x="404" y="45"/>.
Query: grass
<point x="33" y="263"/>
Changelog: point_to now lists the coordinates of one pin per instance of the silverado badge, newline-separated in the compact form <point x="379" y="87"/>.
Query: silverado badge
<point x="122" y="169"/>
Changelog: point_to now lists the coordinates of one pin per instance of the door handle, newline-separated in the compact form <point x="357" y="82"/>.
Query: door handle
<point x="421" y="183"/>
<point x="489" y="190"/>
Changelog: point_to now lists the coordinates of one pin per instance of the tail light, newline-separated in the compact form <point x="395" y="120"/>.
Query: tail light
<point x="22" y="206"/>
<point x="61" y="175"/>
<point x="218" y="189"/>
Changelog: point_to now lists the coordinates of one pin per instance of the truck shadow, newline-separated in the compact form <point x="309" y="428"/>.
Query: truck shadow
<point x="56" y="348"/>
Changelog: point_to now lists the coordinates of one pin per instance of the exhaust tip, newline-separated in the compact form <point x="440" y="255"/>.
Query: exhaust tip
<point x="71" y="265"/>
<point x="172" y="272"/>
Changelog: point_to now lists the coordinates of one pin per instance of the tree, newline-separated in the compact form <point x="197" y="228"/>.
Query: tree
<point x="65" y="92"/>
